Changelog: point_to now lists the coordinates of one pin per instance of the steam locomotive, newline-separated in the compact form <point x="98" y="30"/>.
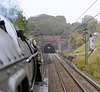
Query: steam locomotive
<point x="19" y="60"/>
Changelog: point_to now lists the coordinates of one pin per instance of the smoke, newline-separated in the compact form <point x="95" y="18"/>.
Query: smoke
<point x="9" y="8"/>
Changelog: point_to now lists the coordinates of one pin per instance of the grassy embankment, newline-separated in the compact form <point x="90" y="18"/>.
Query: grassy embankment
<point x="93" y="67"/>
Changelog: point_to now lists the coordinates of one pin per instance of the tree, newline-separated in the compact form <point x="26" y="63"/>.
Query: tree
<point x="21" y="23"/>
<point x="49" y="25"/>
<point x="93" y="25"/>
<point x="61" y="19"/>
<point x="86" y="18"/>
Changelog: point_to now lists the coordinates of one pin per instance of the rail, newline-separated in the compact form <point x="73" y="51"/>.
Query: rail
<point x="83" y="90"/>
<point x="95" y="85"/>
<point x="64" y="88"/>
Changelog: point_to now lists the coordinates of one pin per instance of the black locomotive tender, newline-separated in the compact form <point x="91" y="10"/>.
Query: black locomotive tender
<point x="19" y="61"/>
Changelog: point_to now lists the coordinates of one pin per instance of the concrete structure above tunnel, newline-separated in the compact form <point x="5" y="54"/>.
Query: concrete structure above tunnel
<point x="50" y="44"/>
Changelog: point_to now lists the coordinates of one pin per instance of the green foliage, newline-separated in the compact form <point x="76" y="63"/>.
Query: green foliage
<point x="49" y="25"/>
<point x="93" y="67"/>
<point x="79" y="62"/>
<point x="76" y="40"/>
<point x="61" y="19"/>
<point x="93" y="25"/>
<point x="86" y="18"/>
<point x="14" y="14"/>
<point x="21" y="23"/>
<point x="79" y="41"/>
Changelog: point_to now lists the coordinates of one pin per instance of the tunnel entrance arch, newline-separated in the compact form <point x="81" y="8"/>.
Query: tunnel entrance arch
<point x="49" y="48"/>
<point x="54" y="41"/>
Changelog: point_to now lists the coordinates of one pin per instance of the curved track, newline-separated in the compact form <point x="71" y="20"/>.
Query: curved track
<point x="63" y="71"/>
<point x="85" y="81"/>
<point x="68" y="78"/>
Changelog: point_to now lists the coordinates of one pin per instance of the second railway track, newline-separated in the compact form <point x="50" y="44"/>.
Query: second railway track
<point x="70" y="80"/>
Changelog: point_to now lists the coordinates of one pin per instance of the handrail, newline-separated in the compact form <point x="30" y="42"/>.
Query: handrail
<point x="29" y="59"/>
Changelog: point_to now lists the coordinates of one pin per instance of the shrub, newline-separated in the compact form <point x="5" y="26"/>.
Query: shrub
<point x="79" y="62"/>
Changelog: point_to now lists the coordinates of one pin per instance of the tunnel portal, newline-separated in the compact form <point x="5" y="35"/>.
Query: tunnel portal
<point x="49" y="49"/>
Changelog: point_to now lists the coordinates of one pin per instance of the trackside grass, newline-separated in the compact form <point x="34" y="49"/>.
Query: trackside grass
<point x="93" y="67"/>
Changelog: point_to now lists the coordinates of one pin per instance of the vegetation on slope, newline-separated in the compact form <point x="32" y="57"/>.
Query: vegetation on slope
<point x="93" y="67"/>
<point x="48" y="25"/>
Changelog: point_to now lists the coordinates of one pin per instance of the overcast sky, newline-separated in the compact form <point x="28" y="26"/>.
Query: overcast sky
<point x="71" y="9"/>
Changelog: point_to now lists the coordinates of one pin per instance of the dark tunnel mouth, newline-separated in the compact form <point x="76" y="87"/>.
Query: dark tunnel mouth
<point x="49" y="48"/>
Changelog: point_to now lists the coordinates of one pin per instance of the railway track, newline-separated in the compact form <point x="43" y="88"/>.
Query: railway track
<point x="70" y="80"/>
<point x="61" y="80"/>
<point x="63" y="71"/>
<point x="54" y="84"/>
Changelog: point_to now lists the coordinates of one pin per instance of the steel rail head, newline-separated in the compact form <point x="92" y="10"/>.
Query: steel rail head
<point x="71" y="75"/>
<point x="61" y="80"/>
